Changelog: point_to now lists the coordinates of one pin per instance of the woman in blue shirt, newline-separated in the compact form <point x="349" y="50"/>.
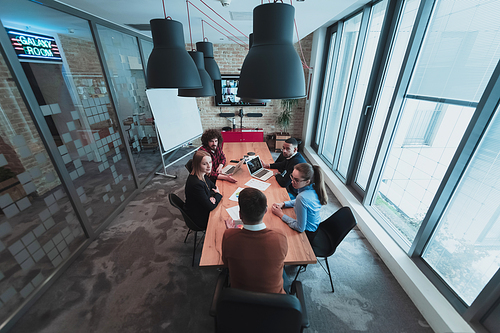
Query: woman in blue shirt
<point x="308" y="181"/>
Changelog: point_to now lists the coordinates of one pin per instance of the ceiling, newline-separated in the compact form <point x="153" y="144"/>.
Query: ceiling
<point x="309" y="15"/>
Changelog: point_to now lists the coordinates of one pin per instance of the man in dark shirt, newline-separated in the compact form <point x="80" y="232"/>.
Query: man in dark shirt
<point x="285" y="167"/>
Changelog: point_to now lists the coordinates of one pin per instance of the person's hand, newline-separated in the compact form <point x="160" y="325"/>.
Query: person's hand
<point x="219" y="168"/>
<point x="216" y="189"/>
<point x="277" y="211"/>
<point x="212" y="200"/>
<point x="230" y="179"/>
<point x="265" y="165"/>
<point x="277" y="173"/>
<point x="230" y="223"/>
<point x="279" y="204"/>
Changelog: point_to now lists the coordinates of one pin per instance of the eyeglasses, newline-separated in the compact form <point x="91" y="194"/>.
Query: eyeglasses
<point x="296" y="180"/>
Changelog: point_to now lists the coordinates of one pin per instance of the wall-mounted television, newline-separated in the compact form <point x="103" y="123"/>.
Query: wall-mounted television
<point x="226" y="90"/>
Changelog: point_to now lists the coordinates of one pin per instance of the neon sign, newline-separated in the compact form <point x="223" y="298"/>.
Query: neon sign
<point x="34" y="47"/>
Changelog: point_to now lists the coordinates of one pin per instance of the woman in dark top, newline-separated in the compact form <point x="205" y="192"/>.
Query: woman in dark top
<point x="202" y="196"/>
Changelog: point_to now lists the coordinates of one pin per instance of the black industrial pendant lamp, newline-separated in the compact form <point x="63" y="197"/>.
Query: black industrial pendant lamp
<point x="248" y="99"/>
<point x="208" y="85"/>
<point x="272" y="68"/>
<point x="169" y="65"/>
<point x="208" y="56"/>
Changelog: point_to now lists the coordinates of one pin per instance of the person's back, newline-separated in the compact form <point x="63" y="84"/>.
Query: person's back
<point x="255" y="255"/>
<point x="255" y="259"/>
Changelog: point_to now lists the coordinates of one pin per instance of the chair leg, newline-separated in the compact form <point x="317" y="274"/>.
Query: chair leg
<point x="194" y="247"/>
<point x="189" y="231"/>
<point x="299" y="271"/>
<point x="329" y="274"/>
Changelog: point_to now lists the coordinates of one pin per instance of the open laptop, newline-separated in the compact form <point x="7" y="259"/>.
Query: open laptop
<point x="256" y="169"/>
<point x="232" y="169"/>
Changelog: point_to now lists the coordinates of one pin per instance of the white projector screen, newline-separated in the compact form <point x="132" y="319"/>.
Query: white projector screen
<point x="177" y="118"/>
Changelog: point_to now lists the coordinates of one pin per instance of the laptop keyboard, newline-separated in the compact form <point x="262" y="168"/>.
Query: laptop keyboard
<point x="261" y="173"/>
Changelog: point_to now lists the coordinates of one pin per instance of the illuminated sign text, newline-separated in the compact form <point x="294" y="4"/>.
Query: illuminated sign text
<point x="31" y="47"/>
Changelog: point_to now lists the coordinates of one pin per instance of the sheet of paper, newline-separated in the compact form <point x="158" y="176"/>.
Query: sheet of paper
<point x="234" y="197"/>
<point x="260" y="185"/>
<point x="234" y="212"/>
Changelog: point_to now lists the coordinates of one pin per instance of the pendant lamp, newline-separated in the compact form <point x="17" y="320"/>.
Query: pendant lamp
<point x="169" y="65"/>
<point x="208" y="56"/>
<point x="272" y="68"/>
<point x="248" y="99"/>
<point x="208" y="85"/>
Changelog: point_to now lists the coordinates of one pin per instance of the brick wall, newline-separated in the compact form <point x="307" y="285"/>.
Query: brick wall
<point x="16" y="120"/>
<point x="230" y="58"/>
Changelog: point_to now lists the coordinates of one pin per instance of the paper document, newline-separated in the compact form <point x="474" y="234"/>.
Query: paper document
<point x="260" y="185"/>
<point x="234" y="212"/>
<point x="235" y="195"/>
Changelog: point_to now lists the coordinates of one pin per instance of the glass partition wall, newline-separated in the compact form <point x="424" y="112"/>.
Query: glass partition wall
<point x="68" y="160"/>
<point x="409" y="120"/>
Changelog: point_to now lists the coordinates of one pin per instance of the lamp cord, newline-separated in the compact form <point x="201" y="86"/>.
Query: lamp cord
<point x="189" y="23"/>
<point x="164" y="10"/>
<point x="303" y="60"/>
<point x="245" y="43"/>
<point x="223" y="18"/>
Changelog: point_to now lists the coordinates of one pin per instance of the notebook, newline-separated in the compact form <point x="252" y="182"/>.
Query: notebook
<point x="232" y="169"/>
<point x="256" y="169"/>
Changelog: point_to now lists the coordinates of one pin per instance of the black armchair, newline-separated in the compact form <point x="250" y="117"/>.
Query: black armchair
<point x="329" y="235"/>
<point x="189" y="165"/>
<point x="244" y="311"/>
<point x="192" y="226"/>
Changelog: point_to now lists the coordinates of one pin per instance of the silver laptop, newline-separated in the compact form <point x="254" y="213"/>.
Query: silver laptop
<point x="256" y="169"/>
<point x="232" y="169"/>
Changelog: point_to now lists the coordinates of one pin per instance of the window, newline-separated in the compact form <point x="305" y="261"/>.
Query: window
<point x="349" y="38"/>
<point x="423" y="126"/>
<point x="377" y="16"/>
<point x="452" y="70"/>
<point x="399" y="44"/>
<point x="466" y="245"/>
<point x="38" y="227"/>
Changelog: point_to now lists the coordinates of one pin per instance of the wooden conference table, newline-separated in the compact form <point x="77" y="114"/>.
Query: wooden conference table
<point x="299" y="249"/>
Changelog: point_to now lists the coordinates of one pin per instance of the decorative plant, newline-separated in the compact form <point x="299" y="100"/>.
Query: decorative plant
<point x="285" y="116"/>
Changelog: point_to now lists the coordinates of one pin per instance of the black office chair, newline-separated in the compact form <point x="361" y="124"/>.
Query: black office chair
<point x="242" y="311"/>
<point x="192" y="226"/>
<point x="189" y="165"/>
<point x="329" y="235"/>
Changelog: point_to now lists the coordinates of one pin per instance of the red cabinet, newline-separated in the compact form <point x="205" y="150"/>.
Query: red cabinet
<point x="243" y="135"/>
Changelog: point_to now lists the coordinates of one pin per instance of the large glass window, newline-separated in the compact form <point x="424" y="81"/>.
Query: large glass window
<point x="398" y="49"/>
<point x="38" y="227"/>
<point x="349" y="38"/>
<point x="453" y="68"/>
<point x="74" y="100"/>
<point x="465" y="248"/>
<point x="377" y="16"/>
<point x="327" y="82"/>
<point x="123" y="60"/>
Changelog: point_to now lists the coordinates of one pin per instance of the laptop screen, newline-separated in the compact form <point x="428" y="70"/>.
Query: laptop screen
<point x="254" y="164"/>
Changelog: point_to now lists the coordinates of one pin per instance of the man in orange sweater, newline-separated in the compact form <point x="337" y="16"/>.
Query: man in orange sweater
<point x="255" y="255"/>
